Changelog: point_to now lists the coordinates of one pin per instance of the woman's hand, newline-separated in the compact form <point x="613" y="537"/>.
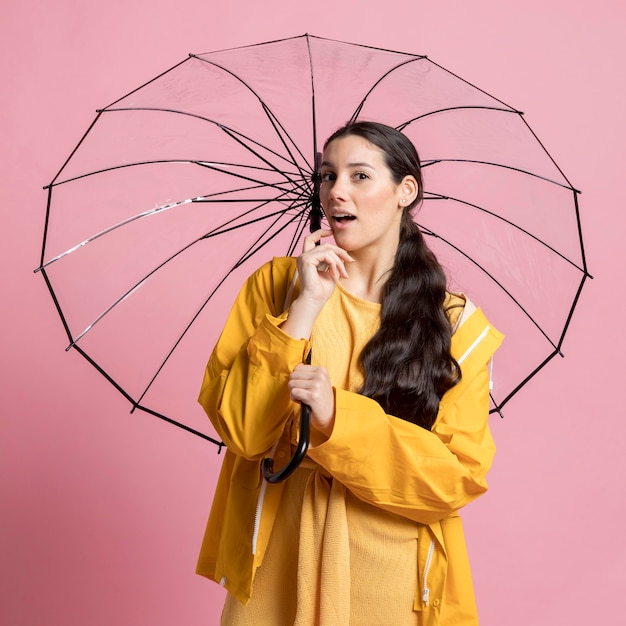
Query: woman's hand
<point x="319" y="269"/>
<point x="310" y="384"/>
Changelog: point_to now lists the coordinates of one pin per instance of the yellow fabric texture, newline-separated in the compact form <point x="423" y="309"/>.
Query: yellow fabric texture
<point x="375" y="460"/>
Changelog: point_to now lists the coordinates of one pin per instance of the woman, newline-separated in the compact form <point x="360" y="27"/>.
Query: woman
<point x="366" y="531"/>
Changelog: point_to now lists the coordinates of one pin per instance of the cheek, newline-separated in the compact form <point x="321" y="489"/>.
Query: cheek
<point x="380" y="200"/>
<point x="323" y="203"/>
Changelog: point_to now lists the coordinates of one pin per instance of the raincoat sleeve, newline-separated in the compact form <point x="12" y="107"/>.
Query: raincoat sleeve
<point x="244" y="391"/>
<point x="405" y="469"/>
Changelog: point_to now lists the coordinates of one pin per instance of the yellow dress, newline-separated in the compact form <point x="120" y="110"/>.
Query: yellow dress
<point x="333" y="559"/>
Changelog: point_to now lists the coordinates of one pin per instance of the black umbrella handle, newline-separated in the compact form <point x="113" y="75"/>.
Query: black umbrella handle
<point x="296" y="459"/>
<point x="315" y="214"/>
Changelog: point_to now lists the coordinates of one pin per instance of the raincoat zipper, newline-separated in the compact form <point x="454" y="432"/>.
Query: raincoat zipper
<point x="259" y="507"/>
<point x="429" y="558"/>
<point x="257" y="515"/>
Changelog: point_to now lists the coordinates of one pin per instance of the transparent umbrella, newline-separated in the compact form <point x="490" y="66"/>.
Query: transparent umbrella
<point x="180" y="189"/>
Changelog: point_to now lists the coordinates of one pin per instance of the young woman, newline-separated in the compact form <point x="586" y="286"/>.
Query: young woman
<point x="367" y="530"/>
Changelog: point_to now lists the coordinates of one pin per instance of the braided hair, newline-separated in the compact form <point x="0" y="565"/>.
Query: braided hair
<point x="407" y="363"/>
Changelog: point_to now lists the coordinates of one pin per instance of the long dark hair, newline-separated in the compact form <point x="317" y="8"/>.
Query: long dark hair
<point x="407" y="364"/>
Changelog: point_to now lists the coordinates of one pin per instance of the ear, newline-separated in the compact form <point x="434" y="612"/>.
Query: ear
<point x="408" y="190"/>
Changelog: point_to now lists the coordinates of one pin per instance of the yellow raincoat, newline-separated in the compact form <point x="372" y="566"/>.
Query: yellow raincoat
<point x="425" y="476"/>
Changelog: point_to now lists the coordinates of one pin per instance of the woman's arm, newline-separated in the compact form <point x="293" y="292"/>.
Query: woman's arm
<point x="244" y="391"/>
<point x="400" y="467"/>
<point x="404" y="468"/>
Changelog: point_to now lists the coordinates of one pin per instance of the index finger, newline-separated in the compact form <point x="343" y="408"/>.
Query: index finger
<point x="314" y="238"/>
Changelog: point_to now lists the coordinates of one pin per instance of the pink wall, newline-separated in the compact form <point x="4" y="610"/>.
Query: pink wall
<point x="102" y="513"/>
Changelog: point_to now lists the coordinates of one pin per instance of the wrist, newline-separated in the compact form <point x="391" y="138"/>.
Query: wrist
<point x="301" y="318"/>
<point x="321" y="433"/>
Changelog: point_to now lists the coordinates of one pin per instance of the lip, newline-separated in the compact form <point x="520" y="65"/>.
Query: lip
<point x="340" y="225"/>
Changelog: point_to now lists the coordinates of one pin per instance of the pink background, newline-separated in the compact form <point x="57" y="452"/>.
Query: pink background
<point x="101" y="513"/>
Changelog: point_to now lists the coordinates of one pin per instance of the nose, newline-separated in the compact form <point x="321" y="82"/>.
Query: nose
<point x="336" y="190"/>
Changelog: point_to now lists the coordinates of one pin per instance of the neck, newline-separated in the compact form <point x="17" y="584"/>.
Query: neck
<point x="368" y="275"/>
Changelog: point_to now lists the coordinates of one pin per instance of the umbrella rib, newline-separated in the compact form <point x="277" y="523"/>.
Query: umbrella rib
<point x="166" y="207"/>
<point x="431" y="233"/>
<point x="100" y="111"/>
<point x="130" y="93"/>
<point x="557" y="350"/>
<point x="246" y="255"/>
<point x="268" y="112"/>
<point x="464" y="107"/>
<point x="235" y="135"/>
<point x="159" y="209"/>
<point x="313" y="108"/>
<point x="304" y="220"/>
<point x="74" y="150"/>
<point x="474" y="86"/>
<point x="361" y="104"/>
<point x="137" y="406"/>
<point x="253" y="45"/>
<point x="571" y="311"/>
<point x="229" y="131"/>
<point x="361" y="45"/>
<point x="431" y="162"/>
<point x="220" y="230"/>
<point x="437" y="196"/>
<point x="219" y="444"/>
<point x="274" y="122"/>
<point x="520" y="115"/>
<point x="499" y="405"/>
<point x="45" y="229"/>
<point x="174" y="161"/>
<point x="295" y="181"/>
<point x="299" y="187"/>
<point x="545" y="150"/>
<point x="57" y="304"/>
<point x="580" y="235"/>
<point x="252" y="250"/>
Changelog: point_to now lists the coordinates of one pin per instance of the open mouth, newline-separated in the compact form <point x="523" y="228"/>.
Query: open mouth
<point x="344" y="218"/>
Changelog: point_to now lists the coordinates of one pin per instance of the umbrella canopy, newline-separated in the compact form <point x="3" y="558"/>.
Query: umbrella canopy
<point x="180" y="189"/>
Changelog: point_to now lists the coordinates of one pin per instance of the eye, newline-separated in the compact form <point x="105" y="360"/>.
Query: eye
<point x="328" y="177"/>
<point x="361" y="176"/>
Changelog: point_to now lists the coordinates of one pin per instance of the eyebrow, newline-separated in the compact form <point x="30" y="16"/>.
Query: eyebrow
<point x="357" y="164"/>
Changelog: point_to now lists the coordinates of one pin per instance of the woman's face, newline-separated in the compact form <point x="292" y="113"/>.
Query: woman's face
<point x="361" y="201"/>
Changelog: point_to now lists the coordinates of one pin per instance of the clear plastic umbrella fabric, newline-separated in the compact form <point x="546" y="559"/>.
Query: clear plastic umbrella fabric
<point x="180" y="189"/>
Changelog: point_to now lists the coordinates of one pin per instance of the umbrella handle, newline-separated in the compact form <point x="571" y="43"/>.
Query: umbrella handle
<point x="296" y="459"/>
